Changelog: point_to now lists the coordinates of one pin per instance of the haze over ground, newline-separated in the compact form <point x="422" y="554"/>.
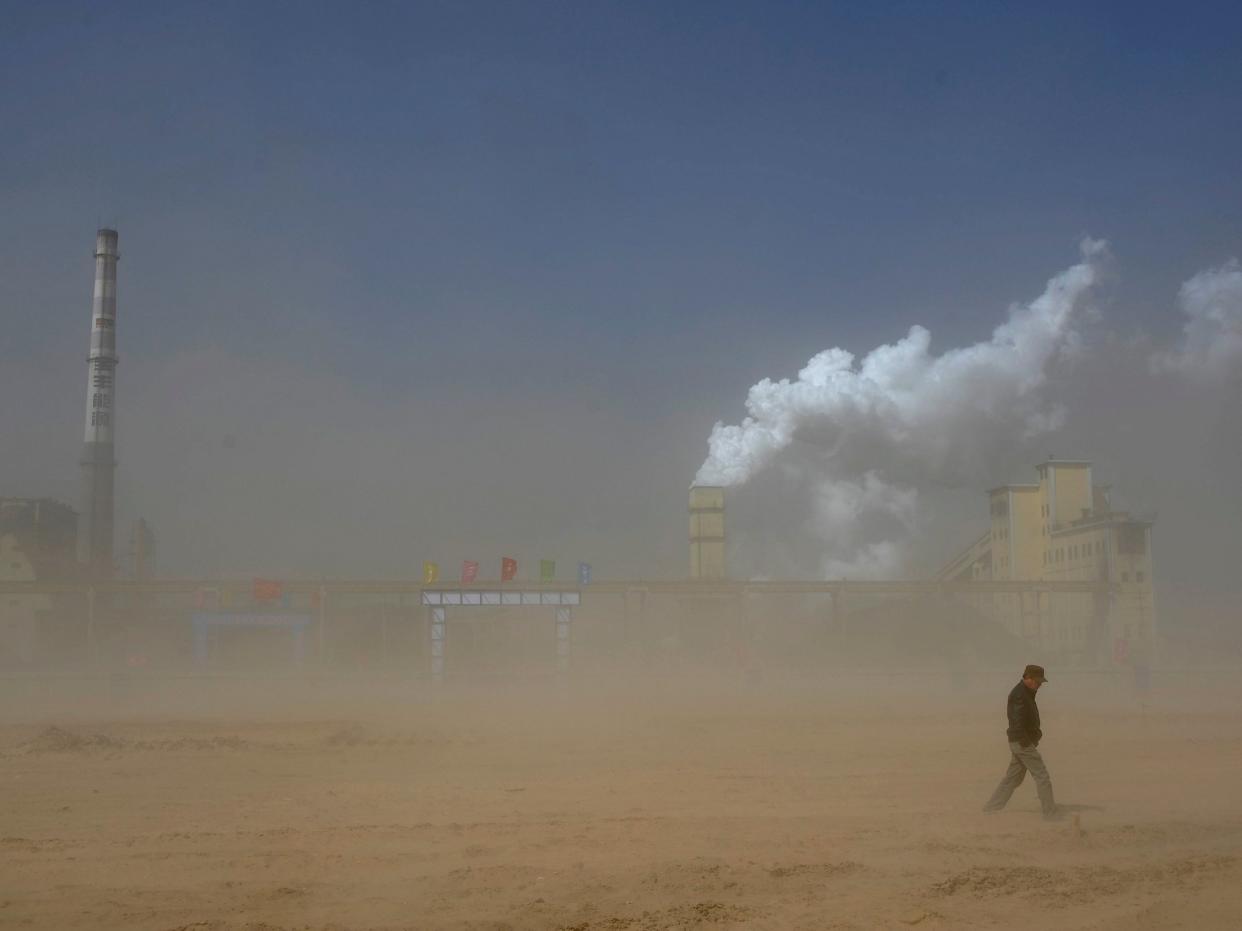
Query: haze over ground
<point x="447" y="281"/>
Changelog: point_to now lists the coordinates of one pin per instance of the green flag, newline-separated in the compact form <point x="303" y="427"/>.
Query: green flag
<point x="547" y="569"/>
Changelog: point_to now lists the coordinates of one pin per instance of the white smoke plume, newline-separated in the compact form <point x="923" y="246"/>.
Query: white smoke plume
<point x="1211" y="345"/>
<point x="865" y="435"/>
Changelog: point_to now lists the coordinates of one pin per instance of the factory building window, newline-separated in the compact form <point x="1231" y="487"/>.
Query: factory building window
<point x="1138" y="576"/>
<point x="1125" y="577"/>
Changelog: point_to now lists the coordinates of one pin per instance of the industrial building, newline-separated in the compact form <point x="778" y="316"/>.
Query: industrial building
<point x="1063" y="529"/>
<point x="37" y="541"/>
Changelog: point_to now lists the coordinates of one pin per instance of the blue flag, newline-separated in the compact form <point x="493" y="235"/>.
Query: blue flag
<point x="584" y="573"/>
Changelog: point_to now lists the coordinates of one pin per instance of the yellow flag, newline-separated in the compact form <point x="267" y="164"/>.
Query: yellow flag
<point x="431" y="572"/>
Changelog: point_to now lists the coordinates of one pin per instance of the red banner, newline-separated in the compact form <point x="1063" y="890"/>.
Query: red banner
<point x="508" y="569"/>
<point x="268" y="590"/>
<point x="469" y="571"/>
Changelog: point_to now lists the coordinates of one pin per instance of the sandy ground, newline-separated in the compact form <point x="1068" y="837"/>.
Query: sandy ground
<point x="687" y="808"/>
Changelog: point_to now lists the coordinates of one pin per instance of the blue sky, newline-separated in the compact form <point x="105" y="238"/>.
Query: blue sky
<point x="593" y="225"/>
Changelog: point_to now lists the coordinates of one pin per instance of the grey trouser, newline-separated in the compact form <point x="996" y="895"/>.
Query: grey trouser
<point x="1024" y="758"/>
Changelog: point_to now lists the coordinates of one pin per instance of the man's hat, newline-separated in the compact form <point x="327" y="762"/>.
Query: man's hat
<point x="1034" y="672"/>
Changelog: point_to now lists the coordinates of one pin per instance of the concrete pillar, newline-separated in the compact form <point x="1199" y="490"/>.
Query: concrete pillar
<point x="635" y="610"/>
<point x="201" y="648"/>
<point x="323" y="619"/>
<point x="564" y="638"/>
<point x="436" y="634"/>
<point x="90" y="622"/>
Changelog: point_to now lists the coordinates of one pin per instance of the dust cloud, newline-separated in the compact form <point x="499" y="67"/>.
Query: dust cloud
<point x="746" y="766"/>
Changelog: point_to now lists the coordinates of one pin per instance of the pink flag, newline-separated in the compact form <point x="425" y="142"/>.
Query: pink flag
<point x="469" y="570"/>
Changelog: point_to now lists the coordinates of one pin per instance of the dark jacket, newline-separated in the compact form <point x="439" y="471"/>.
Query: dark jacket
<point x="1023" y="716"/>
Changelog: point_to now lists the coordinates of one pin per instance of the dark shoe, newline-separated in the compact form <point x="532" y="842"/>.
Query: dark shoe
<point x="1056" y="814"/>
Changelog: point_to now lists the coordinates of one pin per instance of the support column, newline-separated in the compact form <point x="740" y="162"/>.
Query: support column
<point x="840" y="616"/>
<point x="564" y="634"/>
<point x="90" y="623"/>
<point x="201" y="645"/>
<point x="323" y="618"/>
<point x="436" y="633"/>
<point x="634" y="607"/>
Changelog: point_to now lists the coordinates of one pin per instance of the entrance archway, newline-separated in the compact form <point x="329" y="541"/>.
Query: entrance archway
<point x="439" y="600"/>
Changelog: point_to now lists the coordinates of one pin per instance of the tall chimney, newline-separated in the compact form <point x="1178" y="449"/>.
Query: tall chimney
<point x="707" y="532"/>
<point x="98" y="462"/>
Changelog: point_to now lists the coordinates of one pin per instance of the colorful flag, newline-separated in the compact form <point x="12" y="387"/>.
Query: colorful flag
<point x="469" y="570"/>
<point x="431" y="572"/>
<point x="547" y="570"/>
<point x="508" y="569"/>
<point x="584" y="573"/>
<point x="267" y="590"/>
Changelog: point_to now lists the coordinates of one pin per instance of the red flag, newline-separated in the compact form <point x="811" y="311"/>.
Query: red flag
<point x="268" y="590"/>
<point x="508" y="569"/>
<point x="469" y="570"/>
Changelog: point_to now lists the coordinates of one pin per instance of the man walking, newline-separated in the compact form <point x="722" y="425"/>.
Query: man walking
<point x="1024" y="736"/>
